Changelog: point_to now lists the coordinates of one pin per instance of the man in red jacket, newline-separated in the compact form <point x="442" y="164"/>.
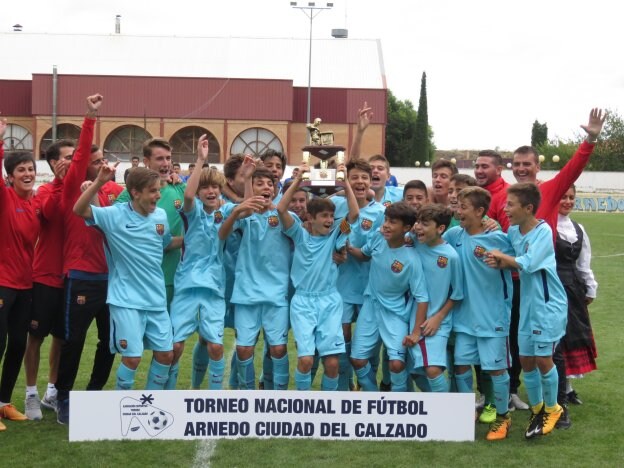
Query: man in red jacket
<point x="487" y="171"/>
<point x="85" y="270"/>
<point x="525" y="167"/>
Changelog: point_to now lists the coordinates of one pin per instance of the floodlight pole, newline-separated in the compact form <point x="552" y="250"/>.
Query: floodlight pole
<point x="311" y="10"/>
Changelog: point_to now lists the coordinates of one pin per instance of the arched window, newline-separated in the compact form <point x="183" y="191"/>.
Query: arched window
<point x="184" y="145"/>
<point x="255" y="141"/>
<point x="17" y="138"/>
<point x="64" y="131"/>
<point x="125" y="142"/>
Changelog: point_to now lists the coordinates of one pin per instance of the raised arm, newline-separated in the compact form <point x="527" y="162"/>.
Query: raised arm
<point x="247" y="170"/>
<point x="82" y="207"/>
<point x="354" y="209"/>
<point x="193" y="182"/>
<point x="246" y="208"/>
<point x="365" y="115"/>
<point x="282" y="207"/>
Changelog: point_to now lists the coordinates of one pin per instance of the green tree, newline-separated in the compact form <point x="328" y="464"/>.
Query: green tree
<point x="421" y="137"/>
<point x="539" y="134"/>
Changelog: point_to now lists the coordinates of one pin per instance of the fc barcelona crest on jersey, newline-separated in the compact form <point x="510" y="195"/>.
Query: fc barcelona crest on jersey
<point x="387" y="203"/>
<point x="397" y="266"/>
<point x="479" y="251"/>
<point x="111" y="198"/>
<point x="218" y="217"/>
<point x="442" y="261"/>
<point x="273" y="221"/>
<point x="160" y="229"/>
<point x="177" y="203"/>
<point x="366" y="224"/>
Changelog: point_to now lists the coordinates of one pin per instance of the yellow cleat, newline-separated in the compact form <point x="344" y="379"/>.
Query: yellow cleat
<point x="10" y="412"/>
<point x="499" y="429"/>
<point x="550" y="419"/>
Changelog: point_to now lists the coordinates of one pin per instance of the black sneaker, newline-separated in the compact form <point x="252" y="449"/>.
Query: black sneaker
<point x="564" y="420"/>
<point x="384" y="387"/>
<point x="62" y="412"/>
<point x="574" y="399"/>
<point x="536" y="424"/>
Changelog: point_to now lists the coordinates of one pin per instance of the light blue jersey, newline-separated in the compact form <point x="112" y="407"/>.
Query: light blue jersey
<point x="313" y="269"/>
<point x="134" y="245"/>
<point x="443" y="271"/>
<point x="263" y="264"/>
<point x="396" y="275"/>
<point x="353" y="274"/>
<point x="486" y="308"/>
<point x="201" y="262"/>
<point x="391" y="195"/>
<point x="544" y="305"/>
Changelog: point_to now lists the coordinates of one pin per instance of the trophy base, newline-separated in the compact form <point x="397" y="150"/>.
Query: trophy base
<point x="322" y="188"/>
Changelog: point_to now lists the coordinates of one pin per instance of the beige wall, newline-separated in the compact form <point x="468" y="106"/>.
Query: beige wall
<point x="291" y="135"/>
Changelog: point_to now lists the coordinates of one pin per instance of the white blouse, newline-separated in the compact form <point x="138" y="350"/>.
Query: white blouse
<point x="566" y="230"/>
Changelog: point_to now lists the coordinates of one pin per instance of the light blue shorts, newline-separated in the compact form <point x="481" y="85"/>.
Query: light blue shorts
<point x="132" y="331"/>
<point x="492" y="353"/>
<point x="350" y="312"/>
<point x="249" y="319"/>
<point x="316" y="323"/>
<point x="375" y="322"/>
<point x="429" y="351"/>
<point x="197" y="309"/>
<point x="527" y="346"/>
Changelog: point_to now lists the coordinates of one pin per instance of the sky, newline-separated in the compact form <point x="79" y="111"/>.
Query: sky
<point x="493" y="67"/>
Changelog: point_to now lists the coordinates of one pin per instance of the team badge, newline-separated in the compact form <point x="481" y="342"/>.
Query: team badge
<point x="177" y="203"/>
<point x="397" y="266"/>
<point x="37" y="211"/>
<point x="366" y="224"/>
<point x="111" y="198"/>
<point x="273" y="221"/>
<point x="160" y="229"/>
<point x="387" y="203"/>
<point x="81" y="300"/>
<point x="479" y="251"/>
<point x="409" y="242"/>
<point x="442" y="261"/>
<point x="218" y="217"/>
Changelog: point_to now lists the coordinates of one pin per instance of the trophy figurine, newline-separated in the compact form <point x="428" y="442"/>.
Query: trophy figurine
<point x="323" y="179"/>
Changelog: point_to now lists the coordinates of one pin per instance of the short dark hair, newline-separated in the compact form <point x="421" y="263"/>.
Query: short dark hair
<point x="176" y="164"/>
<point x="360" y="164"/>
<point x="263" y="173"/>
<point x="415" y="184"/>
<point x="231" y="166"/>
<point x="401" y="211"/>
<point x="135" y="158"/>
<point x="152" y="143"/>
<point x="479" y="198"/>
<point x="139" y="178"/>
<point x="527" y="193"/>
<point x="465" y="179"/>
<point x="271" y="153"/>
<point x="498" y="159"/>
<point x="191" y="165"/>
<point x="527" y="150"/>
<point x="436" y="212"/>
<point x="318" y="205"/>
<point x="441" y="163"/>
<point x="15" y="159"/>
<point x="287" y="185"/>
<point x="53" y="153"/>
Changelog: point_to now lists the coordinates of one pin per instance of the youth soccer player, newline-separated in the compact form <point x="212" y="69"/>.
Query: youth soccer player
<point x="136" y="235"/>
<point x="198" y="303"/>
<point x="543" y="308"/>
<point x="260" y="294"/>
<point x="353" y="274"/>
<point x="415" y="194"/>
<point x="316" y="307"/>
<point x="481" y="322"/>
<point x="441" y="172"/>
<point x="442" y="268"/>
<point x="396" y="282"/>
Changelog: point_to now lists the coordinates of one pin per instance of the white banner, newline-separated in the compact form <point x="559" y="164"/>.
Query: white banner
<point x="194" y="414"/>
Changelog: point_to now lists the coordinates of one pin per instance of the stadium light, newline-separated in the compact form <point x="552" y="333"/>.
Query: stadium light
<point x="311" y="10"/>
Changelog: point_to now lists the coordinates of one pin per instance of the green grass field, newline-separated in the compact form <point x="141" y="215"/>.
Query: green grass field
<point x="595" y="438"/>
